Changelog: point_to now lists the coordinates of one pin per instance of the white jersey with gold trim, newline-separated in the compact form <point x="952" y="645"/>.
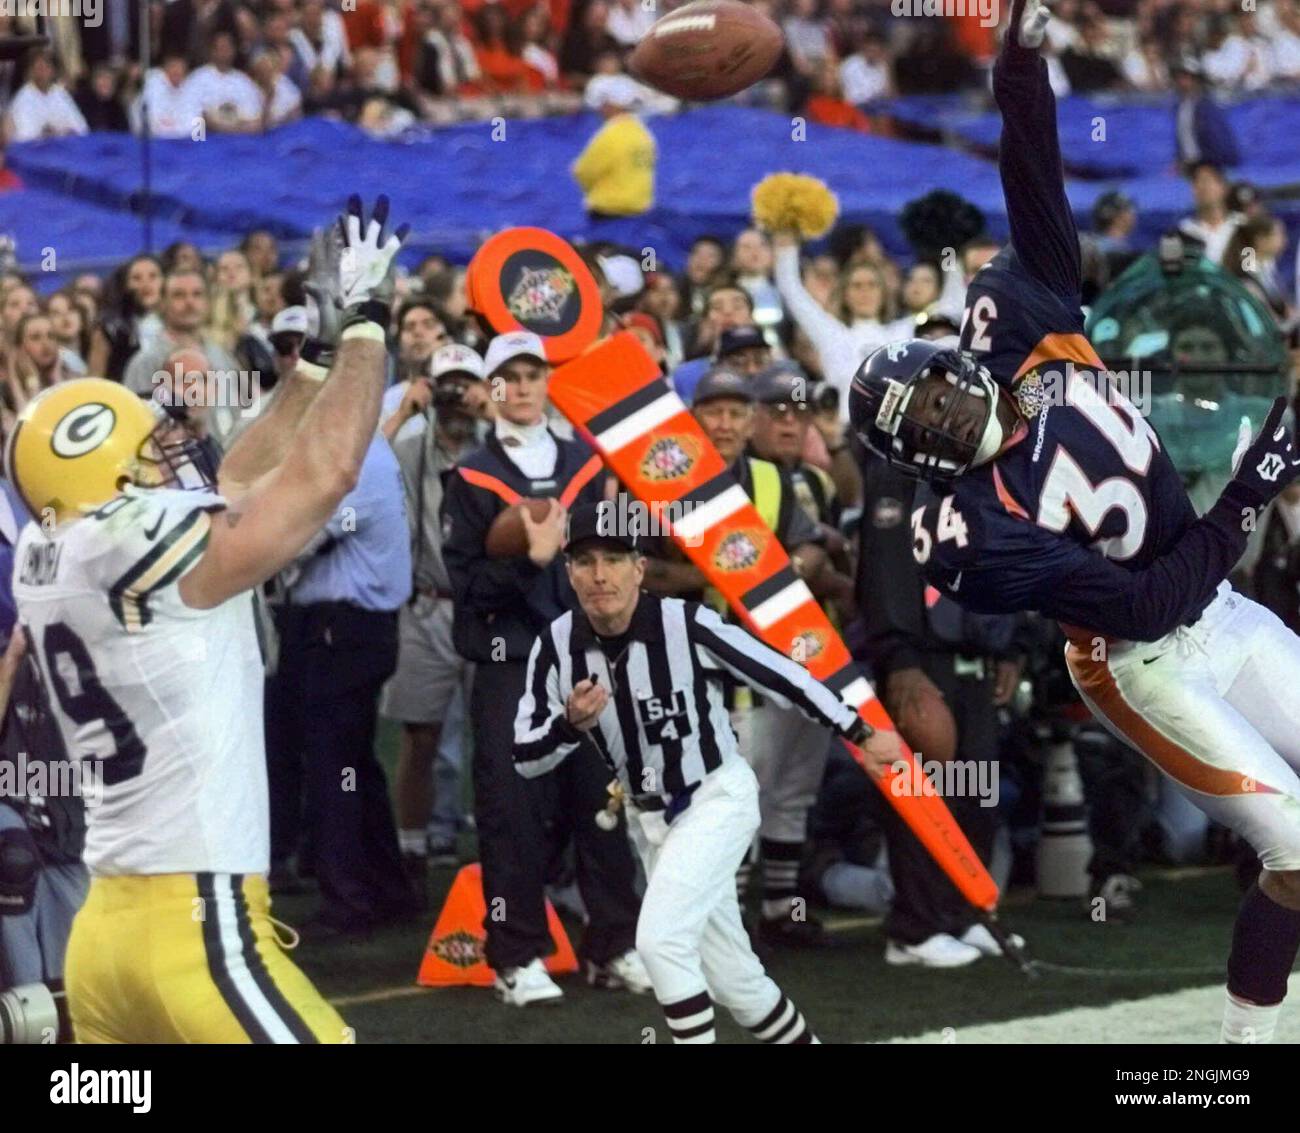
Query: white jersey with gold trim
<point x="166" y="698"/>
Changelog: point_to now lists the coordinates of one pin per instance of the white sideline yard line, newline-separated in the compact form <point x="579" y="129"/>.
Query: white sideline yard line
<point x="1190" y="1016"/>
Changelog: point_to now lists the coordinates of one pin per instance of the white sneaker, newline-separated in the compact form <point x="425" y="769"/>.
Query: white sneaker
<point x="520" y="987"/>
<point x="623" y="973"/>
<point x="978" y="936"/>
<point x="940" y="951"/>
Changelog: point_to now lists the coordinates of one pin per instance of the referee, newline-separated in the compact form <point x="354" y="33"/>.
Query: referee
<point x="641" y="677"/>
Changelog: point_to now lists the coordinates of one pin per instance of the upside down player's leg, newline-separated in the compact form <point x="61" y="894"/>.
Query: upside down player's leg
<point x="186" y="958"/>
<point x="1174" y="701"/>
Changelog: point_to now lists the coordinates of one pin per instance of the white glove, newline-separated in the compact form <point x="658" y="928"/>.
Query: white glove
<point x="365" y="264"/>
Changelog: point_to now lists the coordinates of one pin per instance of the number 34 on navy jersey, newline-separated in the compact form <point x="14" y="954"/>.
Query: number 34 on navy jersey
<point x="1089" y="479"/>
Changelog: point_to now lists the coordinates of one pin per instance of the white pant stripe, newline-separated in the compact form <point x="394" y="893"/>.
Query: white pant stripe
<point x="236" y="964"/>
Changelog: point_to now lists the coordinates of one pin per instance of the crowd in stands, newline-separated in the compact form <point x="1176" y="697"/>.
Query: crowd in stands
<point x="246" y="66"/>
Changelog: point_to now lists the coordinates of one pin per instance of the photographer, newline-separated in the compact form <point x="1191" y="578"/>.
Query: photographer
<point x="429" y="670"/>
<point x="42" y="880"/>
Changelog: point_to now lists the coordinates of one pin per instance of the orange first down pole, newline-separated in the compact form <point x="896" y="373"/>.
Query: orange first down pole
<point x="620" y="403"/>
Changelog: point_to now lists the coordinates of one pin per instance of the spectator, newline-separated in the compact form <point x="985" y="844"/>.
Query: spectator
<point x="704" y="271"/>
<point x="1252" y="254"/>
<point x="1286" y="40"/>
<point x="230" y="100"/>
<point x="281" y="100"/>
<point x="629" y="20"/>
<point x="1090" y="62"/>
<point x="1236" y="56"/>
<point x="751" y="265"/>
<point x="430" y="673"/>
<point x="827" y="105"/>
<point x="616" y="169"/>
<point x="535" y="32"/>
<point x="184" y="309"/>
<point x="182" y="256"/>
<point x="319" y="41"/>
<point x="727" y="305"/>
<point x="276" y="39"/>
<point x="99" y="98"/>
<point x="421" y="330"/>
<point x="42" y="108"/>
<point x="500" y="64"/>
<point x="456" y="62"/>
<point x="129" y="316"/>
<point x="663" y="301"/>
<point x="338" y="645"/>
<point x="743" y="350"/>
<point x="867" y="74"/>
<point x="1144" y="68"/>
<point x="1114" y="217"/>
<point x="35" y="363"/>
<point x="174" y="107"/>
<point x="921" y="288"/>
<point x="1202" y="133"/>
<point x="18" y="302"/>
<point x="847" y="25"/>
<point x="863" y="317"/>
<point x="263" y="252"/>
<point x="587" y="40"/>
<point x="1211" y="224"/>
<point x="188" y="27"/>
<point x="808" y="37"/>
<point x="71" y="331"/>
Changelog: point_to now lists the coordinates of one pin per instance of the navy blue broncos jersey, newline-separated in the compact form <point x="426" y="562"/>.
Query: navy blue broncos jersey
<point x="1083" y="519"/>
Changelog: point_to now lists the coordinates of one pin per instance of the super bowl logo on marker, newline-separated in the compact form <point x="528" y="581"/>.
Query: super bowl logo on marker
<point x="670" y="458"/>
<point x="739" y="551"/>
<point x="1031" y="394"/>
<point x="460" y="949"/>
<point x="807" y="645"/>
<point x="540" y="294"/>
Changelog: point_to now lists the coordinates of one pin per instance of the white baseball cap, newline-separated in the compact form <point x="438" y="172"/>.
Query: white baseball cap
<point x="456" y="359"/>
<point x="507" y="347"/>
<point x="623" y="274"/>
<point x="292" y="320"/>
<point x="621" y="91"/>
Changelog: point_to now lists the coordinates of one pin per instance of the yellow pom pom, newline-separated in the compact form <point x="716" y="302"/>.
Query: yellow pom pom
<point x="794" y="201"/>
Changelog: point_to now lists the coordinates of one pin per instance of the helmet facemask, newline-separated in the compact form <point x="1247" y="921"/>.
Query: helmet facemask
<point x="172" y="457"/>
<point x="935" y="450"/>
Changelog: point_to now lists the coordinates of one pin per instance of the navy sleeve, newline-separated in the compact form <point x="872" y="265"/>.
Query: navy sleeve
<point x="1021" y="566"/>
<point x="1033" y="181"/>
<point x="477" y="582"/>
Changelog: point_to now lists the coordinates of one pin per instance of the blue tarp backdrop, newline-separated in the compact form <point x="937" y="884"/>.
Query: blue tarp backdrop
<point x="457" y="184"/>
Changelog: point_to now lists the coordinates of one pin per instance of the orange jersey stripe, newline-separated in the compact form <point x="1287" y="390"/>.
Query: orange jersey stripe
<point x="580" y="480"/>
<point x="1061" y="348"/>
<point x="1097" y="682"/>
<point x="492" y="484"/>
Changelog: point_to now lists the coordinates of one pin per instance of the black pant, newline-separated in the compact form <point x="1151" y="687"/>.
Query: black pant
<point x="1114" y="788"/>
<point x="925" y="901"/>
<point x="329" y="797"/>
<point x="524" y="826"/>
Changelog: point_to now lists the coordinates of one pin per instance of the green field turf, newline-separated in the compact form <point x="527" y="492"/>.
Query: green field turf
<point x="1179" y="940"/>
<point x="848" y="993"/>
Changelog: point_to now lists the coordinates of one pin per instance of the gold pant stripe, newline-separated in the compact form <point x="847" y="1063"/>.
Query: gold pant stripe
<point x="185" y="958"/>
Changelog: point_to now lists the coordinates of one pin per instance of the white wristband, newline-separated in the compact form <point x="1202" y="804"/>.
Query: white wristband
<point x="312" y="371"/>
<point x="368" y="330"/>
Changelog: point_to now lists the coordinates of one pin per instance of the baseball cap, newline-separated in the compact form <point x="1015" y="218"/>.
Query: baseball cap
<point x="647" y="323"/>
<point x="740" y="338"/>
<point x="721" y="382"/>
<point x="292" y="320"/>
<point x="612" y="90"/>
<point x="507" y="347"/>
<point x="1109" y="205"/>
<point x="599" y="522"/>
<point x="623" y="274"/>
<point x="782" y="383"/>
<point x="456" y="359"/>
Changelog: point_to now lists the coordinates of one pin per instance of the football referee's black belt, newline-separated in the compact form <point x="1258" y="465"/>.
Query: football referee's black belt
<point x="672" y="807"/>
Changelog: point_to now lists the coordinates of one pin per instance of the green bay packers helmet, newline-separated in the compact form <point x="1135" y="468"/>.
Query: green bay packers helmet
<point x="77" y="443"/>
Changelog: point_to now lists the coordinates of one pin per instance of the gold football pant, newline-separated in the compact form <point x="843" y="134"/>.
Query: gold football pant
<point x="188" y="958"/>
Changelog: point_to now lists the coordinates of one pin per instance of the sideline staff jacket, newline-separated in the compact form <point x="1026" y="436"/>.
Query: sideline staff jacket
<point x="503" y="604"/>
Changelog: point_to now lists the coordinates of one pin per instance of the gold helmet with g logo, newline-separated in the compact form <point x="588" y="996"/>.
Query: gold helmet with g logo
<point x="76" y="443"/>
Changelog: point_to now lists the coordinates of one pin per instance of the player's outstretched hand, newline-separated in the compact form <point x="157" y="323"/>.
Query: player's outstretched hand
<point x="1029" y="19"/>
<point x="366" y="261"/>
<point x="1270" y="462"/>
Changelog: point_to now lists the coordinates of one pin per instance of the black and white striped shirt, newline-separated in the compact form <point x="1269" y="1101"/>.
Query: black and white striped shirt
<point x="665" y="726"/>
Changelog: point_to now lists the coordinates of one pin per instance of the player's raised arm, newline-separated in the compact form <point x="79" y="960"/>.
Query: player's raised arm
<point x="1029" y="156"/>
<point x="266" y="530"/>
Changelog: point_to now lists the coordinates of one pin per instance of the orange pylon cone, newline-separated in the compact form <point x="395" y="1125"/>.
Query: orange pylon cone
<point x="454" y="955"/>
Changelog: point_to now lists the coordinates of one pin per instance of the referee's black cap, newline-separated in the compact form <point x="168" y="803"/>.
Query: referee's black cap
<point x="615" y="523"/>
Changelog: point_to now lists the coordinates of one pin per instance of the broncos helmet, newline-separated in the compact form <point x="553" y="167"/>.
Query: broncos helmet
<point x="887" y="415"/>
<point x="77" y="443"/>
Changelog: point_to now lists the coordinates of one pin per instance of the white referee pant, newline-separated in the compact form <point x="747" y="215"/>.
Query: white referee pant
<point x="1216" y="706"/>
<point x="689" y="934"/>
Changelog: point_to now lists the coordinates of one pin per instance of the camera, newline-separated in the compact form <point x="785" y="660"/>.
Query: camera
<point x="32" y="1014"/>
<point x="449" y="393"/>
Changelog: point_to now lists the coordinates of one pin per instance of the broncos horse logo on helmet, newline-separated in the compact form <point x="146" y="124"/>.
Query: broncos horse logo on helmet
<point x="932" y="412"/>
<point x="76" y="444"/>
